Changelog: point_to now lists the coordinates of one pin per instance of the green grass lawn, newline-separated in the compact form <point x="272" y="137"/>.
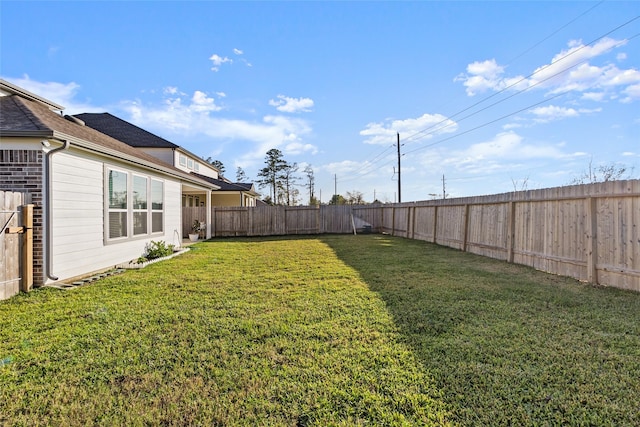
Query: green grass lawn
<point x="329" y="330"/>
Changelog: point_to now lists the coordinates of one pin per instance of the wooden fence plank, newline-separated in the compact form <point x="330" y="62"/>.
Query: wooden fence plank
<point x="590" y="232"/>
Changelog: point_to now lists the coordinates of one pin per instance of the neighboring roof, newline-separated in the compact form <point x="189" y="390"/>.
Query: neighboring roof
<point x="129" y="133"/>
<point x="124" y="131"/>
<point x="226" y="185"/>
<point x="12" y="89"/>
<point x="23" y="117"/>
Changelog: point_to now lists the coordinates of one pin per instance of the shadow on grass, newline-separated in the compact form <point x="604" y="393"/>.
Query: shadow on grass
<point x="507" y="345"/>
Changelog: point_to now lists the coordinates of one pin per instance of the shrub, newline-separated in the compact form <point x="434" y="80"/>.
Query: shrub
<point x="157" y="249"/>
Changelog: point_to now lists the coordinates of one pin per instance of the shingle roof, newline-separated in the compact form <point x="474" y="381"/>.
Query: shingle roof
<point x="124" y="131"/>
<point x="15" y="116"/>
<point x="226" y="185"/>
<point x="23" y="117"/>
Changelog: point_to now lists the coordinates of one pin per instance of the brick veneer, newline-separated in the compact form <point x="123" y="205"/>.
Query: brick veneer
<point x="21" y="171"/>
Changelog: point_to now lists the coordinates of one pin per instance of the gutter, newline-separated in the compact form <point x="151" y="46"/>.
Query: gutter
<point x="47" y="200"/>
<point x="170" y="170"/>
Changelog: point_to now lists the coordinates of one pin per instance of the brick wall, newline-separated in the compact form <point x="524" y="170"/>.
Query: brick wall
<point x="22" y="171"/>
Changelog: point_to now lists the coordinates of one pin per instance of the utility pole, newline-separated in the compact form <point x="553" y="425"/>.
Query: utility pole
<point x="335" y="188"/>
<point x="399" y="185"/>
<point x="444" y="193"/>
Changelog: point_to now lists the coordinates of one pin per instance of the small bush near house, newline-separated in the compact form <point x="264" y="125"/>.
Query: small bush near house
<point x="158" y="249"/>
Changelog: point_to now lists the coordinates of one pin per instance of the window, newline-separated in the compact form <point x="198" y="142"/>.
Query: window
<point x="117" y="204"/>
<point x="182" y="160"/>
<point x="140" y="212"/>
<point x="196" y="167"/>
<point x="157" y="206"/>
<point x="135" y="205"/>
<point x="190" y="163"/>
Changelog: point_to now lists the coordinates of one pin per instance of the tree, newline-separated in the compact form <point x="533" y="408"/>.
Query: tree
<point x="603" y="173"/>
<point x="520" y="185"/>
<point x="337" y="199"/>
<point x="289" y="179"/>
<point x="355" y="198"/>
<point x="216" y="164"/>
<point x="310" y="185"/>
<point x="240" y="175"/>
<point x="271" y="175"/>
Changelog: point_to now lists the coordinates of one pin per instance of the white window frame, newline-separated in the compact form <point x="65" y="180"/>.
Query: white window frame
<point x="130" y="210"/>
<point x="156" y="211"/>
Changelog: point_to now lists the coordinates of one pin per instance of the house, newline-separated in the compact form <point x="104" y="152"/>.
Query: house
<point x="229" y="194"/>
<point x="98" y="201"/>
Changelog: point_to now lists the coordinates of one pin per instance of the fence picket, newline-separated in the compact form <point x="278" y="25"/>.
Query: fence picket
<point x="589" y="232"/>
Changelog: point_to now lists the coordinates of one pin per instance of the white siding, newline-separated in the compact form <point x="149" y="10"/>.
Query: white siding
<point x="78" y="217"/>
<point x="164" y="154"/>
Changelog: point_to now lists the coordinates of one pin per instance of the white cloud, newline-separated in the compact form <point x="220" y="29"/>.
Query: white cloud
<point x="297" y="147"/>
<point x="631" y="93"/>
<point x="200" y="102"/>
<point x="593" y="96"/>
<point x="63" y="94"/>
<point x="510" y="126"/>
<point x="553" y="112"/>
<point x="292" y="105"/>
<point x="218" y="61"/>
<point x="569" y="70"/>
<point x="221" y="94"/>
<point x="192" y="121"/>
<point x="506" y="151"/>
<point x="385" y="132"/>
<point x="482" y="76"/>
<point x="237" y="51"/>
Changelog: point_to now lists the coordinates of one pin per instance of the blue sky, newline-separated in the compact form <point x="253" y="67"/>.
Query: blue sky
<point x="495" y="96"/>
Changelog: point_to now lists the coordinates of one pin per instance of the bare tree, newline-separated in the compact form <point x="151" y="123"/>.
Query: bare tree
<point x="355" y="198"/>
<point x="289" y="180"/>
<point x="603" y="173"/>
<point x="520" y="185"/>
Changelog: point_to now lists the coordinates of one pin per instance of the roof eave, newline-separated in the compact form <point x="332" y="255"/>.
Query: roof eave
<point x="17" y="90"/>
<point x="97" y="148"/>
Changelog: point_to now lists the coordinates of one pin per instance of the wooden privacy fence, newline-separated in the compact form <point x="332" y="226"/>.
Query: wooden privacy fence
<point x="16" y="244"/>
<point x="589" y="232"/>
<point x="272" y="220"/>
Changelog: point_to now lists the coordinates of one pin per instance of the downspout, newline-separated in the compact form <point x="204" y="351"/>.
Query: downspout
<point x="47" y="200"/>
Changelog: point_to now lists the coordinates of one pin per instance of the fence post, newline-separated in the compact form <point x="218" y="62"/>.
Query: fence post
<point x="592" y="242"/>
<point x="466" y="228"/>
<point x="511" y="231"/>
<point x="213" y="221"/>
<point x="393" y="220"/>
<point x="413" y="222"/>
<point x="435" y="222"/>
<point x="27" y="248"/>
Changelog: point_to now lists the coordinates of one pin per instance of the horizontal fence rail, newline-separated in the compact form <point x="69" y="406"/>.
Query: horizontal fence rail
<point x="588" y="232"/>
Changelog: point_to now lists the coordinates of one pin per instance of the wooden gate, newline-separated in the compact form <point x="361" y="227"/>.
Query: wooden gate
<point x="16" y="244"/>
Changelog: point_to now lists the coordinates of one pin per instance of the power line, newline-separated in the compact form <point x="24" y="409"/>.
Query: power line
<point x="525" y="78"/>
<point x="380" y="158"/>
